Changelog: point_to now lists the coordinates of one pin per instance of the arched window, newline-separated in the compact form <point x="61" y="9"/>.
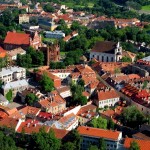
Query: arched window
<point x="107" y="59"/>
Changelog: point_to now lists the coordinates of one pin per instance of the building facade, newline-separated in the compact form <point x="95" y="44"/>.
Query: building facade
<point x="9" y="74"/>
<point x="92" y="136"/>
<point x="106" y="98"/>
<point x="54" y="34"/>
<point x="106" y="51"/>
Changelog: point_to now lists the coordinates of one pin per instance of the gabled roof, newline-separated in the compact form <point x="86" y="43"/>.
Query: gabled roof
<point x="9" y="122"/>
<point x="30" y="126"/>
<point x="104" y="46"/>
<point x="98" y="133"/>
<point x="28" y="110"/>
<point x="143" y="144"/>
<point x="109" y="94"/>
<point x="17" y="38"/>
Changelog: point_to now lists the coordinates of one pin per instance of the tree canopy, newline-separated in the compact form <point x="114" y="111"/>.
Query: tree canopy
<point x="132" y="117"/>
<point x="7" y="142"/>
<point x="9" y="95"/>
<point x="134" y="146"/>
<point x="45" y="141"/>
<point x="98" y="123"/>
<point x="46" y="83"/>
<point x="31" y="99"/>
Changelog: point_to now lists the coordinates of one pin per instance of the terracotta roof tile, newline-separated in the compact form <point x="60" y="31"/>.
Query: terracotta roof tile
<point x="31" y="126"/>
<point x="2" y="52"/>
<point x="17" y="38"/>
<point x="99" y="133"/>
<point x="143" y="144"/>
<point x="9" y="122"/>
<point x="25" y="111"/>
<point x="60" y="133"/>
<point x="104" y="95"/>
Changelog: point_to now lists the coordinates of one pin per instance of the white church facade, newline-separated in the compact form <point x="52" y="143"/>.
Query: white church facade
<point x="106" y="51"/>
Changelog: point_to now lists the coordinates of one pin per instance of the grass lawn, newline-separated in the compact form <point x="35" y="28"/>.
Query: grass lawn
<point x="49" y="40"/>
<point x="146" y="8"/>
<point x="71" y="5"/>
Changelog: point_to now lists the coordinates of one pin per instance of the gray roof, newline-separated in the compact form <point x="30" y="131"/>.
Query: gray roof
<point x="146" y="58"/>
<point x="10" y="70"/>
<point x="2" y="98"/>
<point x="15" y="84"/>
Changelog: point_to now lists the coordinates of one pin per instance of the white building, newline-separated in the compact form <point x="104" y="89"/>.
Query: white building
<point x="64" y="91"/>
<point x="9" y="74"/>
<point x="23" y="18"/>
<point x="54" y="34"/>
<point x="61" y="73"/>
<point x="106" y="51"/>
<point x="68" y="122"/>
<point x="106" y="98"/>
<point x="15" y="86"/>
<point x="92" y="135"/>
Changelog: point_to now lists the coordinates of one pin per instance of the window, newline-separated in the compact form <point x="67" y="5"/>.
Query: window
<point x="97" y="57"/>
<point x="107" y="59"/>
<point x="102" y="58"/>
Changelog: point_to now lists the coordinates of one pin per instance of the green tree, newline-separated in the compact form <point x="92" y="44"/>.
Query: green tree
<point x="45" y="141"/>
<point x="39" y="58"/>
<point x="145" y="83"/>
<point x="102" y="144"/>
<point x="48" y="8"/>
<point x="75" y="25"/>
<point x="9" y="95"/>
<point x="81" y="82"/>
<point x="75" y="138"/>
<point x="132" y="117"/>
<point x="93" y="147"/>
<point x="134" y="146"/>
<point x="140" y="55"/>
<point x="46" y="83"/>
<point x="98" y="123"/>
<point x="111" y="124"/>
<point x="117" y="70"/>
<point x="83" y="100"/>
<point x="7" y="142"/>
<point x="126" y="59"/>
<point x="68" y="146"/>
<point x="31" y="99"/>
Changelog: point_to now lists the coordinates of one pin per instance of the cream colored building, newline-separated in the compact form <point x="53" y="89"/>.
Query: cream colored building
<point x="11" y="73"/>
<point x="23" y="18"/>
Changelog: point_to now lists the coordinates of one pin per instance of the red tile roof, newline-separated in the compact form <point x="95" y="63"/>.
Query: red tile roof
<point x="9" y="122"/>
<point x="2" y="52"/>
<point x="45" y="115"/>
<point x="31" y="126"/>
<point x="60" y="133"/>
<point x="28" y="110"/>
<point x="17" y="38"/>
<point x="104" y="95"/>
<point x="98" y="133"/>
<point x="143" y="144"/>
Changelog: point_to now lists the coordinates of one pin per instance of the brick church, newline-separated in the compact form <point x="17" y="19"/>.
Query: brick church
<point x="15" y="40"/>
